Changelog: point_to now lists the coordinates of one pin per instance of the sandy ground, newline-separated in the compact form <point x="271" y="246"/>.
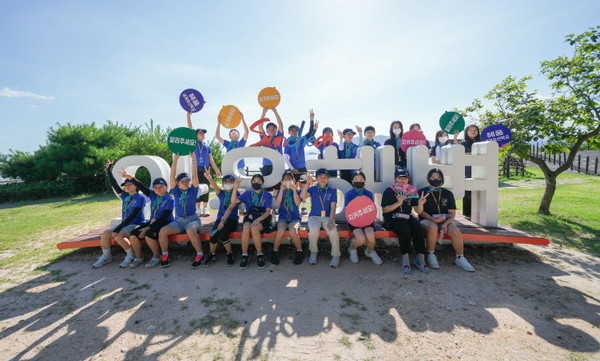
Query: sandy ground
<point x="523" y="303"/>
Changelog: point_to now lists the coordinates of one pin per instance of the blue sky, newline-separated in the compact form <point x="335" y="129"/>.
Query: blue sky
<point x="353" y="62"/>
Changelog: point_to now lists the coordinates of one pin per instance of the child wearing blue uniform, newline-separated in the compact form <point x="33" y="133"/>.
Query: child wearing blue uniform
<point x="204" y="160"/>
<point x="274" y="134"/>
<point x="322" y="215"/>
<point x="327" y="132"/>
<point x="185" y="191"/>
<point x="161" y="214"/>
<point x="227" y="219"/>
<point x="258" y="204"/>
<point x="235" y="141"/>
<point x="132" y="215"/>
<point x="347" y="150"/>
<point x="365" y="234"/>
<point x="293" y="151"/>
<point x="288" y="201"/>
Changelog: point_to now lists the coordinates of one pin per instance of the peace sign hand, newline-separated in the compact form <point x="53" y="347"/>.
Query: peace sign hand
<point x="423" y="198"/>
<point x="108" y="163"/>
<point x="124" y="174"/>
<point x="312" y="115"/>
<point x="358" y="129"/>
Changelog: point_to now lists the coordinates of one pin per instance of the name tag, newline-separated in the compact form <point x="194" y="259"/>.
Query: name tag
<point x="438" y="216"/>
<point x="400" y="215"/>
<point x="322" y="213"/>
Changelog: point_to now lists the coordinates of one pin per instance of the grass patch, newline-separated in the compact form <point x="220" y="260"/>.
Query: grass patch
<point x="574" y="221"/>
<point x="345" y="340"/>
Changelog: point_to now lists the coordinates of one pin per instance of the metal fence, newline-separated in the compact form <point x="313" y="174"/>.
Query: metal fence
<point x="585" y="162"/>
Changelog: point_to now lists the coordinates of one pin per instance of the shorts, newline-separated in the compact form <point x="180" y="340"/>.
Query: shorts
<point x="290" y="224"/>
<point x="182" y="224"/>
<point x="266" y="223"/>
<point x="223" y="235"/>
<point x="152" y="232"/>
<point x="301" y="175"/>
<point x="352" y="228"/>
<point x="203" y="180"/>
<point x="128" y="229"/>
<point x="439" y="225"/>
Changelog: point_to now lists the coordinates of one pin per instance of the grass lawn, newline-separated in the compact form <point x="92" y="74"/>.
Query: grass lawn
<point x="575" y="219"/>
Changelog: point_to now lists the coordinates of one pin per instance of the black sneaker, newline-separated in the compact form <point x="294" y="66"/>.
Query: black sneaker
<point x="197" y="261"/>
<point x="230" y="259"/>
<point x="275" y="257"/>
<point x="260" y="261"/>
<point x="245" y="261"/>
<point x="165" y="261"/>
<point x="298" y="257"/>
<point x="210" y="260"/>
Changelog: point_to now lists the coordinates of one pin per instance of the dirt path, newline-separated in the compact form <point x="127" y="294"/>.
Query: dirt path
<point x="525" y="303"/>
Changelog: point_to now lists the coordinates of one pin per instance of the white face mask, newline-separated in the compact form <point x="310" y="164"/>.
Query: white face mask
<point x="228" y="186"/>
<point x="288" y="184"/>
<point x="396" y="131"/>
<point x="443" y="140"/>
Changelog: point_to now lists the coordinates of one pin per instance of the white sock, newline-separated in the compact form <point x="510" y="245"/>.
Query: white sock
<point x="459" y="255"/>
<point x="106" y="252"/>
<point x="405" y="259"/>
<point x="129" y="252"/>
<point x="199" y="254"/>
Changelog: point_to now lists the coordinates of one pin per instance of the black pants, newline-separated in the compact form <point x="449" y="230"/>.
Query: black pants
<point x="407" y="229"/>
<point x="347" y="175"/>
<point x="301" y="175"/>
<point x="467" y="204"/>
<point x="203" y="180"/>
<point x="223" y="235"/>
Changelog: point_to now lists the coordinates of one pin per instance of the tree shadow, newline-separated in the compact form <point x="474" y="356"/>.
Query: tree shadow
<point x="77" y="312"/>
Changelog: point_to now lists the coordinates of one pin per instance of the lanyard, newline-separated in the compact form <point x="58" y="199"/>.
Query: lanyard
<point x="322" y="200"/>
<point x="262" y="194"/>
<point x="155" y="205"/>
<point x="437" y="201"/>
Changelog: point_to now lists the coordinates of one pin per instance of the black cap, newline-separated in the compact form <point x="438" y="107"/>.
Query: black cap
<point x="370" y="127"/>
<point x="401" y="173"/>
<point x="293" y="126"/>
<point x="159" y="182"/>
<point x="327" y="129"/>
<point x="126" y="181"/>
<point x="271" y="124"/>
<point x="348" y="130"/>
<point x="200" y="130"/>
<point x="183" y="176"/>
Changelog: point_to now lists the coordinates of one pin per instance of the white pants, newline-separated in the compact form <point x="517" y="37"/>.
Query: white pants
<point x="314" y="227"/>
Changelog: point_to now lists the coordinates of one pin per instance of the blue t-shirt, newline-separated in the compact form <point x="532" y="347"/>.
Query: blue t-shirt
<point x="130" y="202"/>
<point x="158" y="206"/>
<point x="353" y="193"/>
<point x="297" y="156"/>
<point x="273" y="145"/>
<point x="321" y="200"/>
<point x="375" y="144"/>
<point x="264" y="200"/>
<point x="234" y="216"/>
<point x="185" y="201"/>
<point x="229" y="145"/>
<point x="323" y="146"/>
<point x="202" y="151"/>
<point x="287" y="212"/>
<point x="348" y="152"/>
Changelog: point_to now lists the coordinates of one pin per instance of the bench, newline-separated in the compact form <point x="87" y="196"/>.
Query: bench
<point x="472" y="233"/>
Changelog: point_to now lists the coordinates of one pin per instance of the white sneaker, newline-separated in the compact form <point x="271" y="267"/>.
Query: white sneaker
<point x="374" y="256"/>
<point x="353" y="255"/>
<point x="126" y="262"/>
<point x="335" y="262"/>
<point x="101" y="261"/>
<point x="136" y="262"/>
<point x="313" y="258"/>
<point x="432" y="260"/>
<point x="205" y="212"/>
<point x="464" y="264"/>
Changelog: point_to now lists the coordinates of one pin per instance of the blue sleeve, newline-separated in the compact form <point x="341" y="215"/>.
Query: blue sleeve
<point x="286" y="149"/>
<point x="334" y="195"/>
<point x="169" y="204"/>
<point x="139" y="201"/>
<point x="370" y="195"/>
<point x="348" y="198"/>
<point x="209" y="149"/>
<point x="241" y="143"/>
<point x="268" y="200"/>
<point x="226" y="143"/>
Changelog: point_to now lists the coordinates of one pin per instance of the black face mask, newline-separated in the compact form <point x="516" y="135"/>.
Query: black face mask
<point x="435" y="182"/>
<point x="256" y="186"/>
<point x="359" y="185"/>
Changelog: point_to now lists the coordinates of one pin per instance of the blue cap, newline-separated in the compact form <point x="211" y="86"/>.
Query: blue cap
<point x="322" y="171"/>
<point x="348" y="130"/>
<point x="228" y="177"/>
<point x="126" y="181"/>
<point x="183" y="176"/>
<point x="327" y="129"/>
<point x="159" y="182"/>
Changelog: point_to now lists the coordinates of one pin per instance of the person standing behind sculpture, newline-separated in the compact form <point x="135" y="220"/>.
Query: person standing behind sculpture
<point x="471" y="136"/>
<point x="275" y="135"/>
<point x="396" y="132"/>
<point x="234" y="142"/>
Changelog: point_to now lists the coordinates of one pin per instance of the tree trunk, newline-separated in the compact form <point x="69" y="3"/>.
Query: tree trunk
<point x="548" y="194"/>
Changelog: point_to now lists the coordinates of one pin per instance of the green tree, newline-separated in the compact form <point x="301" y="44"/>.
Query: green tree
<point x="564" y="121"/>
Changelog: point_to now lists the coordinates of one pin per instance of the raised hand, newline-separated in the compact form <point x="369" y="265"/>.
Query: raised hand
<point x="340" y="133"/>
<point x="207" y="175"/>
<point x="312" y="115"/>
<point x="316" y="125"/>
<point x="358" y="129"/>
<point x="124" y="174"/>
<point x="109" y="163"/>
<point x="237" y="182"/>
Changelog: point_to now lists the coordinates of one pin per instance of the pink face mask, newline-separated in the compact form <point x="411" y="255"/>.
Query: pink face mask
<point x="401" y="182"/>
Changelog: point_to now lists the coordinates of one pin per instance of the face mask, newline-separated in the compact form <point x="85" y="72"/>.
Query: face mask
<point x="359" y="185"/>
<point x="256" y="186"/>
<point x="288" y="184"/>
<point x="443" y="140"/>
<point x="402" y="181"/>
<point x="228" y="186"/>
<point x="435" y="182"/>
<point x="396" y="131"/>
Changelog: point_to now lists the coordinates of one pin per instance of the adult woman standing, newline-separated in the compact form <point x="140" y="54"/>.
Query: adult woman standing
<point x="396" y="132"/>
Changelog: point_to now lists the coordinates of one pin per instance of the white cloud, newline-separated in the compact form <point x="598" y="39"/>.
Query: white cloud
<point x="11" y="93"/>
